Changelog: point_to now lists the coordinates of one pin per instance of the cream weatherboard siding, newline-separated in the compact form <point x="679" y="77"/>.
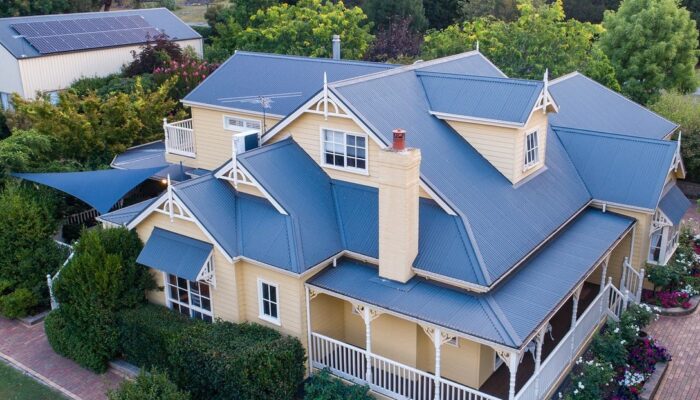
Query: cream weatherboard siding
<point x="10" y="78"/>
<point x="212" y="141"/>
<point x="504" y="147"/>
<point x="56" y="72"/>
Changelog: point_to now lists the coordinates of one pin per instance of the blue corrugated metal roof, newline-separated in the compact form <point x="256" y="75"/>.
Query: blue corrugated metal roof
<point x="498" y="99"/>
<point x="149" y="156"/>
<point x="160" y="18"/>
<point x="175" y="254"/>
<point x="470" y="63"/>
<point x="259" y="74"/>
<point x="674" y="204"/>
<point x="304" y="190"/>
<point x="586" y="104"/>
<point x="492" y="210"/>
<point x="358" y="217"/>
<point x="620" y="169"/>
<point x="509" y="314"/>
<point x="127" y="214"/>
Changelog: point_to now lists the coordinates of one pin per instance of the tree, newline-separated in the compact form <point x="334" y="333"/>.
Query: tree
<point x="27" y="249"/>
<point x="16" y="8"/>
<point x="156" y="53"/>
<point x="589" y="10"/>
<point x="382" y="13"/>
<point x="539" y="39"/>
<point x="238" y="10"/>
<point x="397" y="41"/>
<point x="684" y="110"/>
<point x="500" y="9"/>
<point x="652" y="45"/>
<point x="440" y="13"/>
<point x="303" y="29"/>
<point x="693" y="7"/>
<point x="101" y="279"/>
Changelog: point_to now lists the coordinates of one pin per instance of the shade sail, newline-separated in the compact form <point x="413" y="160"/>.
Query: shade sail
<point x="175" y="254"/>
<point x="100" y="189"/>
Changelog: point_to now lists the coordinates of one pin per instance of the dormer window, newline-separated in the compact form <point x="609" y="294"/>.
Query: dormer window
<point x="532" y="156"/>
<point x="344" y="150"/>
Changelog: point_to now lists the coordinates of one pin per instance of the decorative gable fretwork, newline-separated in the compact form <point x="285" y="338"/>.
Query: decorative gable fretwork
<point x="206" y="274"/>
<point x="659" y="221"/>
<point x="235" y="175"/>
<point x="327" y="106"/>
<point x="171" y="206"/>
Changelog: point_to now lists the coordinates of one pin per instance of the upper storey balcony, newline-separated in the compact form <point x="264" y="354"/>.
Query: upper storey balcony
<point x="179" y="138"/>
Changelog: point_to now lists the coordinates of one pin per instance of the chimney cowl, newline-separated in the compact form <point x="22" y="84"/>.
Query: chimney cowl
<point x="399" y="142"/>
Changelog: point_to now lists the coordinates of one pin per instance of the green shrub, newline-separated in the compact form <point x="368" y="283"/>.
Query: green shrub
<point x="68" y="342"/>
<point x="592" y="381"/>
<point x="610" y="346"/>
<point x="323" y="386"/>
<point x="111" y="84"/>
<point x="213" y="361"/>
<point x="18" y="303"/>
<point x="147" y="333"/>
<point x="148" y="386"/>
<point x="101" y="279"/>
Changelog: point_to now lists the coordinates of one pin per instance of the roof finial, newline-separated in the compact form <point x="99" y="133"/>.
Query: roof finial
<point x="170" y="199"/>
<point x="545" y="90"/>
<point x="325" y="96"/>
<point x="477" y="45"/>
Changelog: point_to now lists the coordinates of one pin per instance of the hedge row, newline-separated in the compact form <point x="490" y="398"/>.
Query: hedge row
<point x="213" y="361"/>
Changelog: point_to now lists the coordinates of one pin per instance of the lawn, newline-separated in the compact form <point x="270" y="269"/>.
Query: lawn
<point x="16" y="386"/>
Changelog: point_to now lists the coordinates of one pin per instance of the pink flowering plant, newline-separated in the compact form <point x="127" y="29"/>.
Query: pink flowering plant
<point x="190" y="71"/>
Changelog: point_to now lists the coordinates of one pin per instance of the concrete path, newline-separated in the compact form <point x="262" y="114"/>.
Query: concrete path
<point x="28" y="349"/>
<point x="680" y="335"/>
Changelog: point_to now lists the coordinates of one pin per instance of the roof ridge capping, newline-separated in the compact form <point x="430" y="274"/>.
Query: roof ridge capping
<point x="313" y="59"/>
<point x="404" y="68"/>
<point x="452" y="75"/>
<point x="614" y="135"/>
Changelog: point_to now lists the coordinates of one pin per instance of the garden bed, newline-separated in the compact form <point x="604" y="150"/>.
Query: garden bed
<point x="684" y="309"/>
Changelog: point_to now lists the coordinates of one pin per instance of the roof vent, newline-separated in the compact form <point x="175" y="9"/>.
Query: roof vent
<point x="399" y="143"/>
<point x="336" y="47"/>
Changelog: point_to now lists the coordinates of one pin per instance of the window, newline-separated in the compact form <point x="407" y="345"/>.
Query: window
<point x="269" y="304"/>
<point x="189" y="298"/>
<point x="532" y="155"/>
<point x="241" y="124"/>
<point x="662" y="244"/>
<point x="344" y="150"/>
<point x="655" y="245"/>
<point x="53" y="97"/>
<point x="4" y="101"/>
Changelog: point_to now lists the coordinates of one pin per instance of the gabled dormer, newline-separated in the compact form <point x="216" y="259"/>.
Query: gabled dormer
<point x="505" y="120"/>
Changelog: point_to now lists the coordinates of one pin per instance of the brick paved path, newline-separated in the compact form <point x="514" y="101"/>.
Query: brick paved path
<point x="682" y="337"/>
<point x="28" y="349"/>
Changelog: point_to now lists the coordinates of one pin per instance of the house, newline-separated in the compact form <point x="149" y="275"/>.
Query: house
<point x="435" y="230"/>
<point x="46" y="53"/>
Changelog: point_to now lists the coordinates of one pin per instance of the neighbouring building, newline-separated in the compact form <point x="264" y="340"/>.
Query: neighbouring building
<point x="435" y="230"/>
<point x="46" y="53"/>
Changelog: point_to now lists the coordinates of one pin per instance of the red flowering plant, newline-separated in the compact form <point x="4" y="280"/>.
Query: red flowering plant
<point x="190" y="71"/>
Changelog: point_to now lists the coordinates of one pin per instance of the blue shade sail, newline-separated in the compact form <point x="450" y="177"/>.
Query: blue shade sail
<point x="100" y="189"/>
<point x="674" y="204"/>
<point x="175" y="254"/>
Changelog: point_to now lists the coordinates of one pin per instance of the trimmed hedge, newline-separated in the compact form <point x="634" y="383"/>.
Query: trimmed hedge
<point x="72" y="344"/>
<point x="213" y="361"/>
<point x="323" y="386"/>
<point x="148" y="386"/>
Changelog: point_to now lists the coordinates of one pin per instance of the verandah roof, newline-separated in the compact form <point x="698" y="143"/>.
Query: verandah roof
<point x="100" y="189"/>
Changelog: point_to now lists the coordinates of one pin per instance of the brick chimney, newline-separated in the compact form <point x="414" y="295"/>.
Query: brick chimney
<point x="398" y="170"/>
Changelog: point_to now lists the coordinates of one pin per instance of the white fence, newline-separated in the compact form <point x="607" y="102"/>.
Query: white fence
<point x="609" y="303"/>
<point x="51" y="279"/>
<point x="386" y="376"/>
<point x="632" y="280"/>
<point x="179" y="137"/>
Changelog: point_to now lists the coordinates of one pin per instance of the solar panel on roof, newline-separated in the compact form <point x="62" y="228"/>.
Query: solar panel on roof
<point x="85" y="33"/>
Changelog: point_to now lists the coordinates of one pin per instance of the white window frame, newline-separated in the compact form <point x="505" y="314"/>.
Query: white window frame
<point x="245" y="121"/>
<point x="530" y="163"/>
<point x="262" y="300"/>
<point x="322" y="141"/>
<point x="668" y="245"/>
<point x="170" y="301"/>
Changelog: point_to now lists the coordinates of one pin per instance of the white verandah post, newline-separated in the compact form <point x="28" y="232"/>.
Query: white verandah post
<point x="538" y="359"/>
<point x="308" y="328"/>
<point x="368" y="344"/>
<point x="513" y="361"/>
<point x="437" y="341"/>
<point x="640" y="285"/>
<point x="574" y="314"/>
<point x="603" y="273"/>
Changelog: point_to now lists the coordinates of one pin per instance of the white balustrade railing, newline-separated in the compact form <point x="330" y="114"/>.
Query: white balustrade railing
<point x="179" y="137"/>
<point x="388" y="377"/>
<point x="632" y="281"/>
<point x="609" y="303"/>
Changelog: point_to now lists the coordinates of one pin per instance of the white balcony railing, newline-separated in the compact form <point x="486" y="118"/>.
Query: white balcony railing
<point x="386" y="376"/>
<point x="179" y="137"/>
<point x="609" y="303"/>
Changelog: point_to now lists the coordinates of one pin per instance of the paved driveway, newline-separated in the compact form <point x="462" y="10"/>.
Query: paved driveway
<point x="28" y="349"/>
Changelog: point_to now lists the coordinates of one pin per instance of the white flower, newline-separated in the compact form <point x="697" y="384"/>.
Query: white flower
<point x="580" y="386"/>
<point x="575" y="391"/>
<point x="617" y="330"/>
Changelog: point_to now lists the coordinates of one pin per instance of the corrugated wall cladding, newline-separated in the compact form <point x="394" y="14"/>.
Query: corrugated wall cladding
<point x="586" y="104"/>
<point x="259" y="74"/>
<point x="512" y="311"/>
<point x="674" y="204"/>
<point x="506" y="222"/>
<point x="620" y="169"/>
<point x="358" y="217"/>
<point x="303" y="189"/>
<point x="500" y="99"/>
